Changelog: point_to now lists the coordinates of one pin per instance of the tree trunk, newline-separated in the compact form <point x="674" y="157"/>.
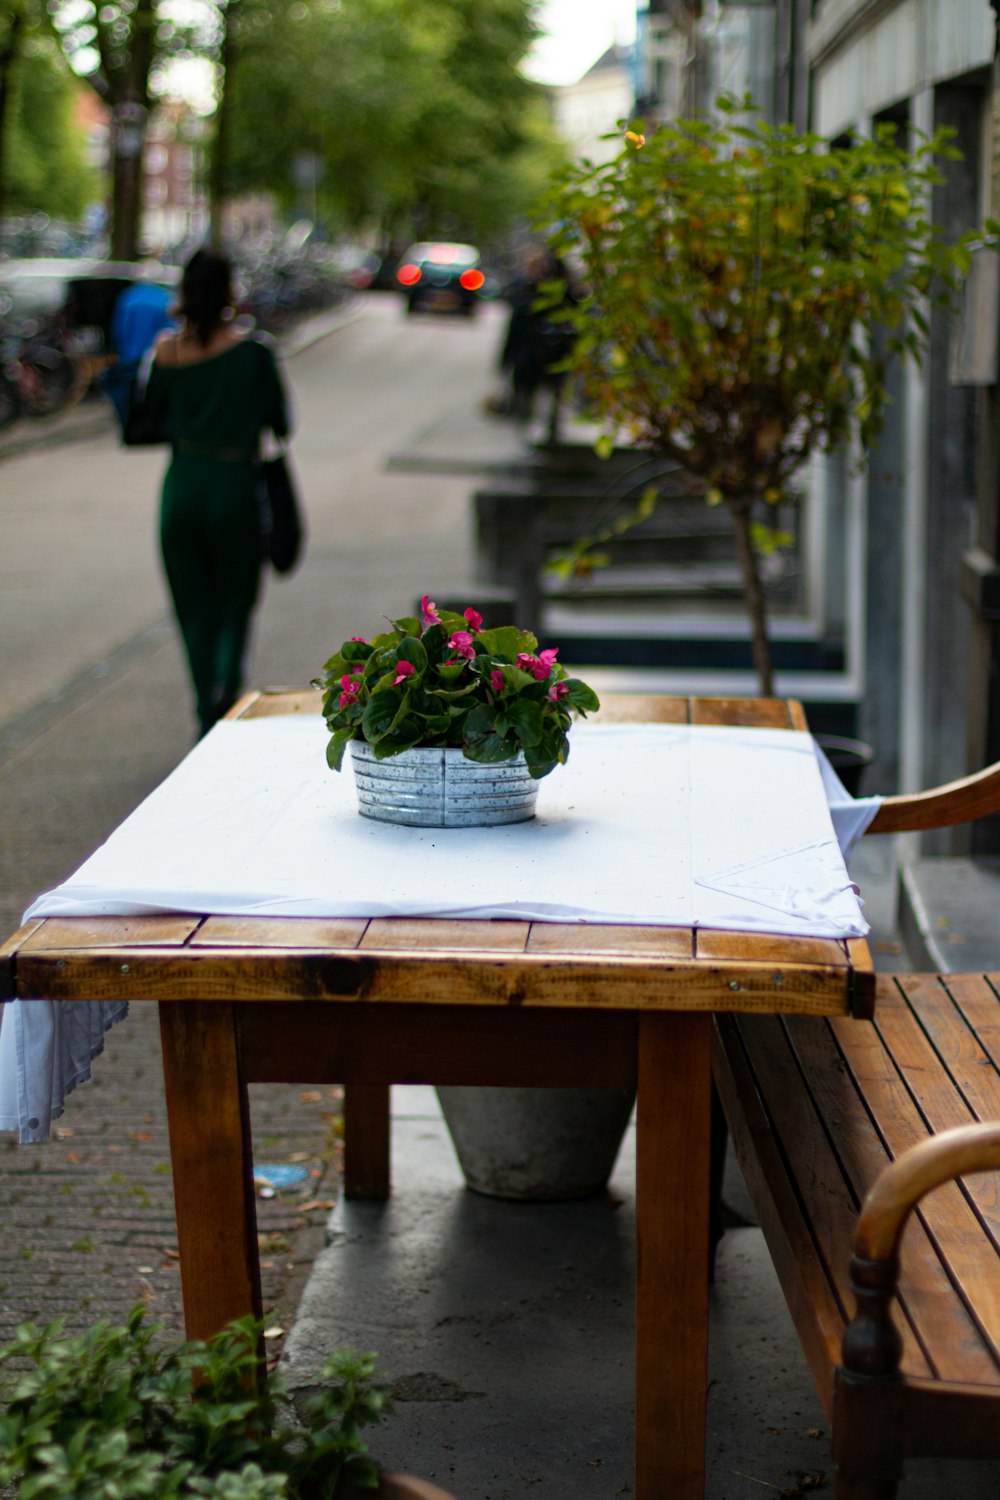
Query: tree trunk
<point x="218" y="179"/>
<point x="130" y="84"/>
<point x="126" y="207"/>
<point x="8" y="58"/>
<point x="753" y="591"/>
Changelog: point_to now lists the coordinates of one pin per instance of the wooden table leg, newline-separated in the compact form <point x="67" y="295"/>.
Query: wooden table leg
<point x="672" y="1203"/>
<point x="366" y="1140"/>
<point x="210" y="1152"/>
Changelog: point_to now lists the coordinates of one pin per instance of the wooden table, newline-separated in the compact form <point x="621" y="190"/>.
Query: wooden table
<point x="368" y="1003"/>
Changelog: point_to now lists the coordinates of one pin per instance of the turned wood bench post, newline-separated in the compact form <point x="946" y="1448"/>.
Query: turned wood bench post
<point x="868" y="1393"/>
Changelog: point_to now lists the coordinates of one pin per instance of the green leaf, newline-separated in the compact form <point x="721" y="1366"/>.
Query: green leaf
<point x="506" y="641"/>
<point x="411" y="650"/>
<point x="581" y="696"/>
<point x="525" y="716"/>
<point x="380" y="713"/>
<point x="336" y="746"/>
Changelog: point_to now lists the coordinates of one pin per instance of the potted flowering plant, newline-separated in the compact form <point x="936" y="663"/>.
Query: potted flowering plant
<point x="440" y="691"/>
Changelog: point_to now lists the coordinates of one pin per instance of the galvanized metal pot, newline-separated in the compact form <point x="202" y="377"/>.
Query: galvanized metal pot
<point x="436" y="788"/>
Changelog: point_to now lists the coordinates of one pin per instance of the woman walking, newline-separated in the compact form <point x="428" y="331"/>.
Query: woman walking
<point x="218" y="392"/>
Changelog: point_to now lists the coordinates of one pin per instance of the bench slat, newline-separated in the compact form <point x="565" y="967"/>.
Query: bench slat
<point x="811" y="1301"/>
<point x="821" y="1105"/>
<point x="831" y="1215"/>
<point x="981" y="1007"/>
<point x="846" y="1068"/>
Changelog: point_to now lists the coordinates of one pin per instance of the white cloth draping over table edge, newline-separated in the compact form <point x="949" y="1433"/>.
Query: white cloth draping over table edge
<point x="252" y="822"/>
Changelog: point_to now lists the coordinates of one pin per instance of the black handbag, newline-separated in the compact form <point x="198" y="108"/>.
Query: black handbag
<point x="141" y="429"/>
<point x="283" y="533"/>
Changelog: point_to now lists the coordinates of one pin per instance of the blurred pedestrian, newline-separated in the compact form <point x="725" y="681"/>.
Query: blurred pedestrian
<point x="537" y="338"/>
<point x="219" y="392"/>
<point x="141" y="312"/>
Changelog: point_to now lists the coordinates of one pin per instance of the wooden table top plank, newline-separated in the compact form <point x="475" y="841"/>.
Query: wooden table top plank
<point x="750" y="713"/>
<point x="569" y="938"/>
<point x="269" y="703"/>
<point x="616" y="708"/>
<point x="455" y="976"/>
<point x="642" y="708"/>
<point x="80" y="933"/>
<point x="428" y="934"/>
<point x="280" y="932"/>
<point x="9" y="951"/>
<point x="773" y="948"/>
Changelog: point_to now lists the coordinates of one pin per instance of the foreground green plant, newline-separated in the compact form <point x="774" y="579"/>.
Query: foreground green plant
<point x="735" y="270"/>
<point x="111" y="1415"/>
<point x="444" y="680"/>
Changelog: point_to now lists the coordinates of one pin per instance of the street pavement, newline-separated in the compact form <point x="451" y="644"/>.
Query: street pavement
<point x="506" y="1329"/>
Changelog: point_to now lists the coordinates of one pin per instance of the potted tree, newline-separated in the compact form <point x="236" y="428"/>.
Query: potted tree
<point x="118" y="1411"/>
<point x="733" y="270"/>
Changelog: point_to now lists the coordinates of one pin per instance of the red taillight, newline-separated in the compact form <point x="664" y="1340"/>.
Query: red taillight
<point x="408" y="275"/>
<point x="471" y="280"/>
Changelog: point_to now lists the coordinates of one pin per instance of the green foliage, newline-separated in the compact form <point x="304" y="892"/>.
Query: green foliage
<point x="735" y="272"/>
<point x="734" y="268"/>
<point x="46" y="170"/>
<point x="445" y="681"/>
<point x="110" y="1415"/>
<point x="410" y="109"/>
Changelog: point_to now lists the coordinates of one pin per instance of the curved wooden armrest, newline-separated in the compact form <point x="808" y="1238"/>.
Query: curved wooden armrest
<point x="955" y="802"/>
<point x="871" y="1345"/>
<point x="898" y="1190"/>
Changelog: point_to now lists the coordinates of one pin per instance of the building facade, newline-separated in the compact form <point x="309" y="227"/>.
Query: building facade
<point x="919" y="525"/>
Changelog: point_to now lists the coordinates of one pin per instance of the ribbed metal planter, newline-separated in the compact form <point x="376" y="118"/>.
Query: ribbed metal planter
<point x="432" y="788"/>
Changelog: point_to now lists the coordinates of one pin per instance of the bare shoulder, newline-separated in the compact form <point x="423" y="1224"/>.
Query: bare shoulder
<point x="166" y="351"/>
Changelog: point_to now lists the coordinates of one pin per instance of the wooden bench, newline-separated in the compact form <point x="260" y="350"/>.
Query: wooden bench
<point x="842" y="1129"/>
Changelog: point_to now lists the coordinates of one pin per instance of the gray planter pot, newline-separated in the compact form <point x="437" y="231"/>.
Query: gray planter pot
<point x="433" y="788"/>
<point x="536" y="1145"/>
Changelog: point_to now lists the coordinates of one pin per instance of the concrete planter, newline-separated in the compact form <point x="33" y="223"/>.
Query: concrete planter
<point x="435" y="788"/>
<point x="536" y="1145"/>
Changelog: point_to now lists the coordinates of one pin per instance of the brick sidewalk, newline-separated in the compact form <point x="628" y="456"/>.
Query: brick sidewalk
<point x="89" y="1217"/>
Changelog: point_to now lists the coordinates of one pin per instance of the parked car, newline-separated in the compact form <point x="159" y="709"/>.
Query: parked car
<point x="441" y="277"/>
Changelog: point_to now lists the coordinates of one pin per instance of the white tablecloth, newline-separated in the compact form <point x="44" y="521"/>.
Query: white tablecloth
<point x="666" y="825"/>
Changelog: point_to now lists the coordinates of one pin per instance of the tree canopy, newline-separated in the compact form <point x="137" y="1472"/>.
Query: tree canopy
<point x="42" y="158"/>
<point x="734" y="269"/>
<point x="416" y="115"/>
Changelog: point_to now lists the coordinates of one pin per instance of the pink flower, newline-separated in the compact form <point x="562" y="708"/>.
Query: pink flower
<point x="360" y="639"/>
<point x="556" y="691"/>
<point x="357" y="666"/>
<point x="539" y="666"/>
<point x="497" y="680"/>
<point x="404" y="669"/>
<point x="428" y="613"/>
<point x="350" y="691"/>
<point x="461" y="642"/>
<point x="475" y="620"/>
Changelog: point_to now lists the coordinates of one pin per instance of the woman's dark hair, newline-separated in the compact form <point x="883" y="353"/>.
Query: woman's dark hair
<point x="206" y="291"/>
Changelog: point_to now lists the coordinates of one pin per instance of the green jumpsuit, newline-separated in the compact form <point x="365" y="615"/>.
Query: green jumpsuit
<point x="210" y="535"/>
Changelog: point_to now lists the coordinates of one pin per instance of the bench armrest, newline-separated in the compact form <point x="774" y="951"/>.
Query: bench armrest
<point x="871" y="1345"/>
<point x="956" y="802"/>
